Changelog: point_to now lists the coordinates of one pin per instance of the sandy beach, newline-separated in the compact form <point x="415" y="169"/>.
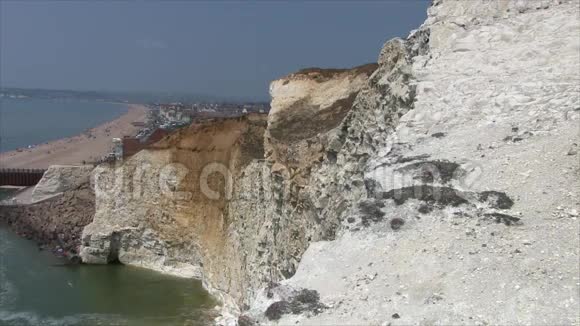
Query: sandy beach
<point x="88" y="146"/>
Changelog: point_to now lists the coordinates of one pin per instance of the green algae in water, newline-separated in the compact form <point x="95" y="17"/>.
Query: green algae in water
<point x="6" y="192"/>
<point x="37" y="288"/>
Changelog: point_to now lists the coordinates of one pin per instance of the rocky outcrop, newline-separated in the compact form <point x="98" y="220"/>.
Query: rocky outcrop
<point x="314" y="200"/>
<point x="399" y="192"/>
<point x="471" y="207"/>
<point x="62" y="204"/>
<point x="307" y="105"/>
<point x="166" y="208"/>
<point x="60" y="178"/>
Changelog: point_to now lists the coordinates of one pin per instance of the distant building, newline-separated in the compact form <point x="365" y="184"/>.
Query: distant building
<point x="118" y="149"/>
<point x="131" y="145"/>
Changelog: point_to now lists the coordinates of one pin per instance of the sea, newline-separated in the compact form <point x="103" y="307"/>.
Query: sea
<point x="29" y="122"/>
<point x="38" y="288"/>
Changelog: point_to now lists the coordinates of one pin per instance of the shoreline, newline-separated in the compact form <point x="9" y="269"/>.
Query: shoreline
<point x="83" y="148"/>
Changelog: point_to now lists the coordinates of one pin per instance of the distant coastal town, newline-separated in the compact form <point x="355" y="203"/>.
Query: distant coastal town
<point x="142" y="125"/>
<point x="165" y="118"/>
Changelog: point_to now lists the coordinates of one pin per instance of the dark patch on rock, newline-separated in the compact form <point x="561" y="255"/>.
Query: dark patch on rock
<point x="277" y="309"/>
<point x="397" y="223"/>
<point x="115" y="246"/>
<point x="445" y="196"/>
<point x="504" y="218"/>
<point x="270" y="289"/>
<point x="439" y="197"/>
<point x="573" y="150"/>
<point x="516" y="139"/>
<point x="245" y="320"/>
<point x="411" y="158"/>
<point x="396" y="316"/>
<point x="425" y="208"/>
<point x="371" y="211"/>
<point x="496" y="199"/>
<point x="404" y="159"/>
<point x="418" y="42"/>
<point x="303" y="120"/>
<point x="371" y="187"/>
<point x="433" y="299"/>
<point x="323" y="74"/>
<point x="288" y="272"/>
<point x="430" y="171"/>
<point x="303" y="301"/>
<point x="438" y="135"/>
<point x="74" y="259"/>
<point x="350" y="220"/>
<point x="308" y="296"/>
<point x="306" y="301"/>
<point x="330" y="233"/>
<point x="332" y="156"/>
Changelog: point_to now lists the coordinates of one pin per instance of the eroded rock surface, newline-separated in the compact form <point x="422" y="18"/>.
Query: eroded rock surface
<point x="262" y="218"/>
<point x="480" y="174"/>
<point x="60" y="178"/>
<point x="437" y="187"/>
<point x="62" y="204"/>
<point x="307" y="105"/>
<point x="166" y="208"/>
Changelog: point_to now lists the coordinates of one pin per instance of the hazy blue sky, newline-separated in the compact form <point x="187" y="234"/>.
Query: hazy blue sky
<point x="223" y="48"/>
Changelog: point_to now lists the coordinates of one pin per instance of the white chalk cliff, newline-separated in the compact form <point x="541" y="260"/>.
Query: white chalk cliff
<point x="437" y="187"/>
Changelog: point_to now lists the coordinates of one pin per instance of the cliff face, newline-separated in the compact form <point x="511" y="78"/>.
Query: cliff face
<point x="432" y="171"/>
<point x="471" y="208"/>
<point x="166" y="208"/>
<point x="250" y="225"/>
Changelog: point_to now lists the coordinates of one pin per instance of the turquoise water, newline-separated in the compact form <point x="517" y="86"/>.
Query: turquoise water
<point x="26" y="122"/>
<point x="37" y="288"/>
